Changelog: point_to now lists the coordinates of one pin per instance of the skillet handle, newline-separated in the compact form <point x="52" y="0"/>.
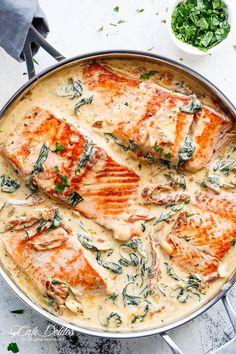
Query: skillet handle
<point x="34" y="36"/>
<point x="227" y="348"/>
<point x="175" y="349"/>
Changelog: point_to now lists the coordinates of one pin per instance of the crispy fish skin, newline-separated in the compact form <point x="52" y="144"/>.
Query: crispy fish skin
<point x="159" y="126"/>
<point x="106" y="191"/>
<point x="201" y="237"/>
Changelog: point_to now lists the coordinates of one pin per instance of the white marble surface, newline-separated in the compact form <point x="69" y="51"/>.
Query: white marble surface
<point x="74" y="26"/>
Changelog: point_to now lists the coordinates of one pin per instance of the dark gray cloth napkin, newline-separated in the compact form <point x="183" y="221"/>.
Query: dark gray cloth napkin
<point x="16" y="16"/>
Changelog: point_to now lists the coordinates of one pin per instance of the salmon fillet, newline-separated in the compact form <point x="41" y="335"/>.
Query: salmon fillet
<point x="53" y="156"/>
<point x="209" y="133"/>
<point x="52" y="258"/>
<point x="154" y="119"/>
<point x="201" y="237"/>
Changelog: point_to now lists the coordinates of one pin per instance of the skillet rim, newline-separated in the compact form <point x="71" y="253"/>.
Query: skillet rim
<point x="96" y="332"/>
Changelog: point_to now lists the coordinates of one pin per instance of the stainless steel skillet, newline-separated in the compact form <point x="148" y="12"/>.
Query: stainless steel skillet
<point x="168" y="64"/>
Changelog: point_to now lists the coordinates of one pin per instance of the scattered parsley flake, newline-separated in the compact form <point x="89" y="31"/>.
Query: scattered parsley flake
<point x="59" y="147"/>
<point x="158" y="148"/>
<point x="18" y="312"/>
<point x="13" y="347"/>
<point x="35" y="61"/>
<point x="121" y="21"/>
<point x="167" y="155"/>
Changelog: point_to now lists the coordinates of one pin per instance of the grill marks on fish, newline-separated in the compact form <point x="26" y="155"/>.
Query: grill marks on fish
<point x="157" y="120"/>
<point x="202" y="236"/>
<point x="49" y="255"/>
<point x="108" y="189"/>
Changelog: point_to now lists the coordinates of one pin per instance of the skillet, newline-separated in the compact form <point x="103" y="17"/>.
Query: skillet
<point x="35" y="38"/>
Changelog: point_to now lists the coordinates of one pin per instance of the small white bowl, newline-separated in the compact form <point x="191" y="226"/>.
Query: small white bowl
<point x="188" y="48"/>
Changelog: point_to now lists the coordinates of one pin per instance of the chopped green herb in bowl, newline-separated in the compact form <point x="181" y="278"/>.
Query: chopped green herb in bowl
<point x="199" y="26"/>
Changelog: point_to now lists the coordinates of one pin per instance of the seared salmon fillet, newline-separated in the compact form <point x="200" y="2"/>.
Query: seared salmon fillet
<point x="158" y="120"/>
<point x="53" y="156"/>
<point x="45" y="249"/>
<point x="153" y="119"/>
<point x="201" y="237"/>
<point x="209" y="133"/>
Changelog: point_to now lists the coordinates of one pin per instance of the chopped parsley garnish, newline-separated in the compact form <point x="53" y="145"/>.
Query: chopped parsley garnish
<point x="148" y="74"/>
<point x="59" y="147"/>
<point x="201" y="23"/>
<point x="158" y="148"/>
<point x="13" y="347"/>
<point x="167" y="155"/>
<point x="139" y="10"/>
<point x="116" y="9"/>
<point x="101" y="29"/>
<point x="234" y="242"/>
<point x="60" y="187"/>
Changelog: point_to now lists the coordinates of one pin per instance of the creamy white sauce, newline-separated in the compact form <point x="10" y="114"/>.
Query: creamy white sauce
<point x="164" y="307"/>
